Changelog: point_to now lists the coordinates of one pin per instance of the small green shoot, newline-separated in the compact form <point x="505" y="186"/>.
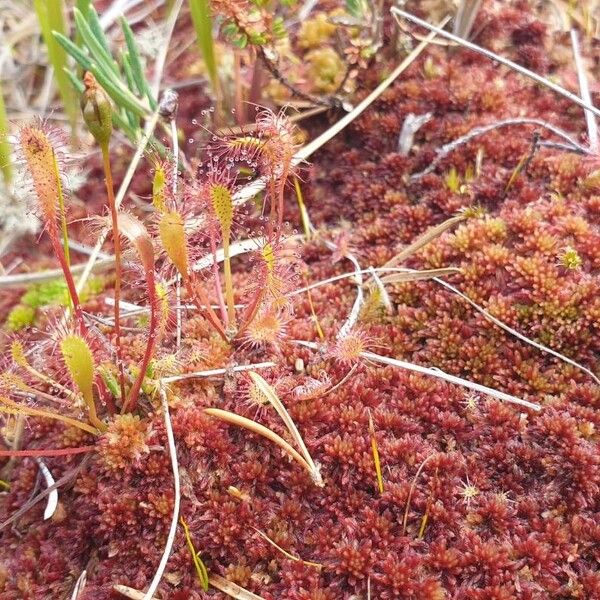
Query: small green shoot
<point x="201" y="17"/>
<point x="50" y="17"/>
<point x="5" y="164"/>
<point x="198" y="564"/>
<point x="375" y="450"/>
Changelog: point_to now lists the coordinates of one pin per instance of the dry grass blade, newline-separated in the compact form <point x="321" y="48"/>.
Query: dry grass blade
<point x="420" y="276"/>
<point x="52" y="502"/>
<point x="232" y="589"/>
<point x="79" y="586"/>
<point x="24" y="279"/>
<point x="446" y="149"/>
<point x="514" y="332"/>
<point x="492" y="55"/>
<point x="285" y="552"/>
<point x="437" y="373"/>
<point x="411" y="491"/>
<point x="130" y="592"/>
<point x="465" y="17"/>
<point x="177" y="487"/>
<point x="229" y="417"/>
<point x="430" y="235"/>
<point x="584" y="88"/>
<point x="273" y="398"/>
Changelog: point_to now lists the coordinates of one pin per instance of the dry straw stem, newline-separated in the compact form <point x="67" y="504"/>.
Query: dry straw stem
<point x="176" y="506"/>
<point x="218" y="372"/>
<point x="514" y="332"/>
<point x="431" y="234"/>
<point x="229" y="417"/>
<point x="224" y="585"/>
<point x="435" y="372"/>
<point x="411" y="491"/>
<point x="592" y="125"/>
<point x="273" y="398"/>
<point x="398" y="13"/>
<point x="52" y="503"/>
<point x="285" y="552"/>
<point x="444" y="150"/>
<point x="232" y="589"/>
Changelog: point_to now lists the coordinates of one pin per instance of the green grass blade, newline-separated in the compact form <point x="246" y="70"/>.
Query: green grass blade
<point x="127" y="68"/>
<point x="134" y="59"/>
<point x="5" y="164"/>
<point x="202" y="20"/>
<point x="50" y="17"/>
<point x="84" y="8"/>
<point x="80" y="57"/>
<point x="115" y="89"/>
<point x="99" y="53"/>
<point x="135" y="62"/>
<point x="91" y="18"/>
<point x="75" y="82"/>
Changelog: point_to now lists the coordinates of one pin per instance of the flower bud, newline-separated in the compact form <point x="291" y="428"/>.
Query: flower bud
<point x="96" y="109"/>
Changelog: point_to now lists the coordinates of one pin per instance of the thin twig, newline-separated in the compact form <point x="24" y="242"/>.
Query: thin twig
<point x="176" y="484"/>
<point x="492" y="55"/>
<point x="435" y="372"/>
<point x="217" y="372"/>
<point x="584" y="89"/>
<point x="446" y="149"/>
<point x="514" y="332"/>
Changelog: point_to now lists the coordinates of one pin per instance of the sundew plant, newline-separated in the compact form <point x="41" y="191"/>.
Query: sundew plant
<point x="310" y="308"/>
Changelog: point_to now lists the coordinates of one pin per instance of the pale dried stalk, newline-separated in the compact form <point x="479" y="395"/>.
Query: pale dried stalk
<point x="52" y="503"/>
<point x="514" y="332"/>
<point x="505" y="61"/>
<point x="217" y="372"/>
<point x="444" y="150"/>
<point x="177" y="488"/>
<point x="272" y="397"/>
<point x="229" y="417"/>
<point x="584" y="89"/>
<point x="232" y="589"/>
<point x="438" y="373"/>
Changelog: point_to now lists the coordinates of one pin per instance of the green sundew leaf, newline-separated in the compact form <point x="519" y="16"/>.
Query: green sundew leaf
<point x="96" y="48"/>
<point x="202" y="20"/>
<point x="134" y="59"/>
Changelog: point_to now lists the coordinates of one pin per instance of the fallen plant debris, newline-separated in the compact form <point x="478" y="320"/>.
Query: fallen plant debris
<point x="404" y="392"/>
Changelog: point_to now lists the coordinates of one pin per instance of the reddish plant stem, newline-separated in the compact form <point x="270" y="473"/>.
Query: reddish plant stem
<point x="130" y="404"/>
<point x="118" y="267"/>
<point x="195" y="290"/>
<point x="47" y="452"/>
<point x="59" y="252"/>
<point x="251" y="311"/>
<point x="217" y="278"/>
